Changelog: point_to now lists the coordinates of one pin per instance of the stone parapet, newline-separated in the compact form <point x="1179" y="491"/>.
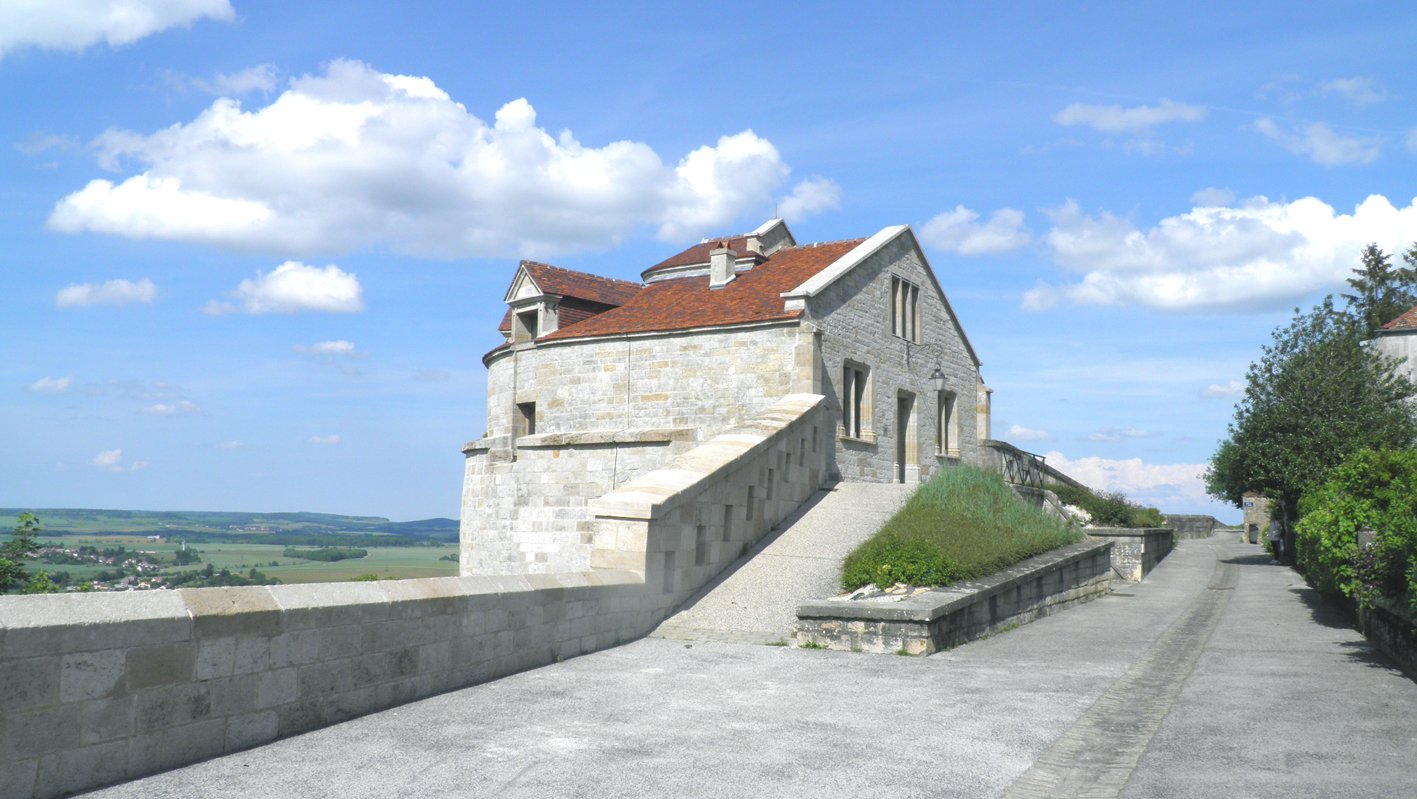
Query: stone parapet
<point x="1137" y="550"/>
<point x="100" y="688"/>
<point x="947" y="617"/>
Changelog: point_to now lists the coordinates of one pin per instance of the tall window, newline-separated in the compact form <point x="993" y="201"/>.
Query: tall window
<point x="855" y="403"/>
<point x="526" y="419"/>
<point x="905" y="309"/>
<point x="947" y="425"/>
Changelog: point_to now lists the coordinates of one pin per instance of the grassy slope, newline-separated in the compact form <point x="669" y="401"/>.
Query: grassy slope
<point x="963" y="524"/>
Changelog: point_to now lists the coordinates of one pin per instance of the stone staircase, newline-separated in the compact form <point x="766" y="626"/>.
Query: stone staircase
<point x="755" y="599"/>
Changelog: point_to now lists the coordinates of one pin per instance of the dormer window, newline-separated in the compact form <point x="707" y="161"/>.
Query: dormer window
<point x="526" y="325"/>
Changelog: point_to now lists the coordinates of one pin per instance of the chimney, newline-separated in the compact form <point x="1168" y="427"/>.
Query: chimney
<point x="722" y="263"/>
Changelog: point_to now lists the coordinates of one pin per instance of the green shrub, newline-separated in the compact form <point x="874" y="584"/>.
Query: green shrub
<point x="963" y="524"/>
<point x="1374" y="490"/>
<point x="1108" y="508"/>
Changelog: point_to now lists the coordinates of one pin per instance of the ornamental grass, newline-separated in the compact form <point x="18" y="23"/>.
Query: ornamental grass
<point x="963" y="524"/>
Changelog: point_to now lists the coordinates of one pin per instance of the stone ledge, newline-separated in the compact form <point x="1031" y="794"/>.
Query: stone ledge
<point x="648" y="435"/>
<point x="946" y="617"/>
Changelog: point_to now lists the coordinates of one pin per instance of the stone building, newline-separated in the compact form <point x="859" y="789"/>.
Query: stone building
<point x="1398" y="340"/>
<point x="600" y="381"/>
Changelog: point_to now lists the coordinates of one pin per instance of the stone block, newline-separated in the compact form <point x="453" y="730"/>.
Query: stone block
<point x="160" y="665"/>
<point x="252" y="729"/>
<point x="216" y="657"/>
<point x="224" y="612"/>
<point x="294" y="648"/>
<point x="171" y="706"/>
<point x="18" y="778"/>
<point x="232" y="696"/>
<point x="73" y="770"/>
<point x="47" y="624"/>
<point x="252" y="655"/>
<point x="105" y="719"/>
<point x="276" y="687"/>
<point x="91" y="675"/>
<point x="28" y="683"/>
<point x="33" y="733"/>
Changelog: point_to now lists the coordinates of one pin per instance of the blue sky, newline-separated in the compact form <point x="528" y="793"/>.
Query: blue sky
<point x="255" y="250"/>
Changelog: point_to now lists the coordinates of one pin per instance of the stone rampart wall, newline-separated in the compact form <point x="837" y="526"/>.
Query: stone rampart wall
<point x="948" y="617"/>
<point x="1137" y="550"/>
<point x="99" y="688"/>
<point x="1392" y="628"/>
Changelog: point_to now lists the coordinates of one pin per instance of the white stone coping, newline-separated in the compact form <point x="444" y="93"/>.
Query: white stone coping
<point x="818" y="282"/>
<point x="643" y="435"/>
<point x="653" y="495"/>
<point x="931" y="605"/>
<point x="74" y="622"/>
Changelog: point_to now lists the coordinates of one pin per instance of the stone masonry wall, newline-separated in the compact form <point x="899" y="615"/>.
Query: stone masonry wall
<point x="681" y="526"/>
<point x="98" y="688"/>
<point x="947" y="617"/>
<point x="607" y="411"/>
<point x="1136" y="551"/>
<point x="854" y="317"/>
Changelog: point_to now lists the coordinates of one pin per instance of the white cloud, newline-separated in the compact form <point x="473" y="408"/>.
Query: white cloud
<point x="325" y="441"/>
<point x="109" y="460"/>
<point x="51" y="385"/>
<point x="1166" y="486"/>
<point x="809" y="197"/>
<point x="1257" y="254"/>
<point x="261" y="78"/>
<point x="111" y="292"/>
<point x="1361" y="91"/>
<point x="353" y="157"/>
<point x="1112" y="434"/>
<point x="327" y="348"/>
<point x="1021" y="433"/>
<point x="1133" y="121"/>
<point x="294" y="287"/>
<point x="39" y="142"/>
<point x="1233" y="388"/>
<point x="228" y="445"/>
<point x="77" y="24"/>
<point x="1213" y="197"/>
<point x="1321" y="144"/>
<point x="960" y="232"/>
<point x="177" y="408"/>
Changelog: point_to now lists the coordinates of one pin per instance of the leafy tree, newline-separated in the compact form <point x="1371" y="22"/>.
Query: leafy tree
<point x="41" y="584"/>
<point x="1315" y="396"/>
<point x="1374" y="490"/>
<point x="1381" y="292"/>
<point x="22" y="544"/>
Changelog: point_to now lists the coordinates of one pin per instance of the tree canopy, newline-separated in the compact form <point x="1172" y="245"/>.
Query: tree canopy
<point x="1315" y="396"/>
<point x="22" y="544"/>
<point x="1381" y="292"/>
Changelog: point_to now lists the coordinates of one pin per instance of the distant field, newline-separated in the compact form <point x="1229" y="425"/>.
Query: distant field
<point x="395" y="563"/>
<point x="84" y="521"/>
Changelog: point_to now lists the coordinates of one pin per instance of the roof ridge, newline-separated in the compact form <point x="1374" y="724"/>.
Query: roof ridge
<point x="578" y="272"/>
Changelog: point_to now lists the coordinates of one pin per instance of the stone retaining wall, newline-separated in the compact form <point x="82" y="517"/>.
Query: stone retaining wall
<point x="1392" y="628"/>
<point x="98" y="688"/>
<point x="948" y="617"/>
<point x="1137" y="550"/>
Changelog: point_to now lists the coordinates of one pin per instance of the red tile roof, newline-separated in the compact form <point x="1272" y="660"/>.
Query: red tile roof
<point x="1407" y="321"/>
<point x="699" y="253"/>
<point x="600" y="291"/>
<point x="567" y="283"/>
<point x="688" y="302"/>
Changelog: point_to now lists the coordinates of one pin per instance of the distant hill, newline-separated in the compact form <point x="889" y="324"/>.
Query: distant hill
<point x="82" y="521"/>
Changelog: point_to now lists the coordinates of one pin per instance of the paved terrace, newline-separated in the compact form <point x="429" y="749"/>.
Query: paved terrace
<point x="1220" y="676"/>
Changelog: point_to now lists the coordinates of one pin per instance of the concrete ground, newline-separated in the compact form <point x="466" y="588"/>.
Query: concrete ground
<point x="755" y="600"/>
<point x="1222" y="675"/>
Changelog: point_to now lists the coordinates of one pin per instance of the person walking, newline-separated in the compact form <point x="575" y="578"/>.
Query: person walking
<point x="1275" y="534"/>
